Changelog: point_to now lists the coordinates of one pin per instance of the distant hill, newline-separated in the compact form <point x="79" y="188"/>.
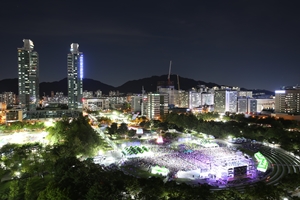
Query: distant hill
<point x="11" y="85"/>
<point x="62" y="86"/>
<point x="133" y="86"/>
<point x="150" y="84"/>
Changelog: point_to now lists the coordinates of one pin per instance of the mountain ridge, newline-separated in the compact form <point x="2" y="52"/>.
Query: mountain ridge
<point x="131" y="86"/>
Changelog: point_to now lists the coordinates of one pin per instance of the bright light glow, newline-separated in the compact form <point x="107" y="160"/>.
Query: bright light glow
<point x="81" y="66"/>
<point x="100" y="152"/>
<point x="135" y="150"/>
<point x="159" y="170"/>
<point x="17" y="174"/>
<point x="49" y="123"/>
<point x="279" y="91"/>
<point x="262" y="162"/>
<point x="159" y="140"/>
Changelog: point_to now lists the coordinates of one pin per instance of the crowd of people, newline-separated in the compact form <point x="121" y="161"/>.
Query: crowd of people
<point x="185" y="157"/>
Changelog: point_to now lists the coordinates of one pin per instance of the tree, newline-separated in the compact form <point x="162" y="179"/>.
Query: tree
<point x="53" y="192"/>
<point x="123" y="129"/>
<point x="58" y="132"/>
<point x="131" y="133"/>
<point x="33" y="187"/>
<point x="14" y="192"/>
<point x="76" y="134"/>
<point x="112" y="129"/>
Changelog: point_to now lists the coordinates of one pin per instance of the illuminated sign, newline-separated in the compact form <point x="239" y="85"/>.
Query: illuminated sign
<point x="262" y="162"/>
<point x="81" y="67"/>
<point x="279" y="91"/>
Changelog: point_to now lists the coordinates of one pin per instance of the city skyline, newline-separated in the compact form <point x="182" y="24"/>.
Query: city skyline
<point x="245" y="44"/>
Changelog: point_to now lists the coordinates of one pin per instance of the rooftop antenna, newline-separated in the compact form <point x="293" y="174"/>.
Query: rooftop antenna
<point x="169" y="82"/>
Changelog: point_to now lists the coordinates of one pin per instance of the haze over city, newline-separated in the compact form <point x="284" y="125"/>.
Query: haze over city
<point x="251" y="44"/>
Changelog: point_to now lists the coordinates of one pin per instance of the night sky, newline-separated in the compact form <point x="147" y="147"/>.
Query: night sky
<point x="251" y="44"/>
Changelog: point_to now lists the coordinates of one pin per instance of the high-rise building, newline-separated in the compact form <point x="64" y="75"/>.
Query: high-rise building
<point x="9" y="98"/>
<point x="252" y="106"/>
<point x="181" y="98"/>
<point x="207" y="98"/>
<point x="288" y="100"/>
<point x="136" y="103"/>
<point x="157" y="105"/>
<point x="75" y="75"/>
<point x="164" y="87"/>
<point x="200" y="98"/>
<point x="28" y="75"/>
<point x="194" y="99"/>
<point x="225" y="101"/>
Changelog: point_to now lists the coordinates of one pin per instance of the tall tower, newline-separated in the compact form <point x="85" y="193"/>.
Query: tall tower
<point x="225" y="101"/>
<point x="75" y="75"/>
<point x="28" y="75"/>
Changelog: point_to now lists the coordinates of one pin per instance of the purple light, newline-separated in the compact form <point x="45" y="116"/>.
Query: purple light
<point x="81" y="66"/>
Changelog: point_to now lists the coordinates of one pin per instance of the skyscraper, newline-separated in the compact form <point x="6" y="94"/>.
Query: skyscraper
<point x="157" y="105"/>
<point x="225" y="101"/>
<point x="75" y="75"/>
<point x="287" y="100"/>
<point x="28" y="75"/>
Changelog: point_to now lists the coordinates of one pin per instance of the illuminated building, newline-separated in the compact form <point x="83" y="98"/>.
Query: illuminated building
<point x="200" y="98"/>
<point x="164" y="87"/>
<point x="9" y="98"/>
<point x="98" y="93"/>
<point x="194" y="99"/>
<point x="207" y="98"/>
<point x="88" y="94"/>
<point x="157" y="105"/>
<point x="287" y="100"/>
<point x="266" y="103"/>
<point x="95" y="103"/>
<point x="136" y="103"/>
<point x="225" y="101"/>
<point x="75" y="75"/>
<point x="245" y="94"/>
<point x="28" y="75"/>
<point x="242" y="105"/>
<point x="114" y="93"/>
<point x="246" y="105"/>
<point x="181" y="98"/>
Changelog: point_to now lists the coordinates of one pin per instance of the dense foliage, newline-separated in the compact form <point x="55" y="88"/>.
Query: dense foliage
<point x="18" y="126"/>
<point x="75" y="135"/>
<point x="34" y="171"/>
<point x="283" y="132"/>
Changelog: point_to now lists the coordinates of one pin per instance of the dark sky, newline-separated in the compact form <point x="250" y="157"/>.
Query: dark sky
<point x="252" y="44"/>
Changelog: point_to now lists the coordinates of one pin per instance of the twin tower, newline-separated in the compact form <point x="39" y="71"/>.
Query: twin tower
<point x="28" y="76"/>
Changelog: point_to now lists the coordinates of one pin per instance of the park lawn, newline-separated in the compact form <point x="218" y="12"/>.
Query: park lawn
<point x="137" y="171"/>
